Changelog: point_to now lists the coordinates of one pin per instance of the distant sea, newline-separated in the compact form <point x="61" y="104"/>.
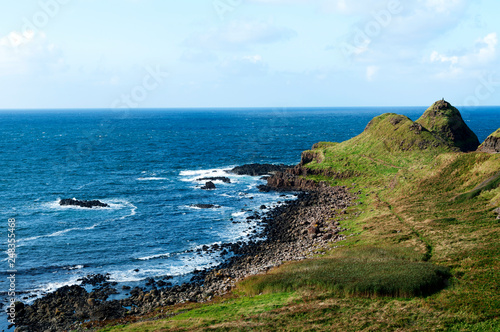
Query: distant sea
<point x="146" y="164"/>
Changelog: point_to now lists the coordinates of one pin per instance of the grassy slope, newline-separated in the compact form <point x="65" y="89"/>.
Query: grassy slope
<point x="413" y="211"/>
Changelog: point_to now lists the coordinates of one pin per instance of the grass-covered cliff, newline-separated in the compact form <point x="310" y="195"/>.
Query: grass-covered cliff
<point x="423" y="245"/>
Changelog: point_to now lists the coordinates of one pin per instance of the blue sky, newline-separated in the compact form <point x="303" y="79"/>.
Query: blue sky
<point x="248" y="53"/>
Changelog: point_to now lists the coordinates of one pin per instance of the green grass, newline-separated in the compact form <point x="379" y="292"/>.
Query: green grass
<point x="201" y="316"/>
<point x="363" y="271"/>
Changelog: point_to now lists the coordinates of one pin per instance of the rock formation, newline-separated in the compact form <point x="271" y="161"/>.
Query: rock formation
<point x="258" y="169"/>
<point x="491" y="144"/>
<point x="445" y="122"/>
<point x="209" y="186"/>
<point x="85" y="204"/>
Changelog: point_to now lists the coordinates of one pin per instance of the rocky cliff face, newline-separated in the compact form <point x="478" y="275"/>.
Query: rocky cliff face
<point x="445" y="122"/>
<point x="491" y="144"/>
<point x="293" y="179"/>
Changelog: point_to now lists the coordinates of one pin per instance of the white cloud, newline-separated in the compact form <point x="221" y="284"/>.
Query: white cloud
<point x="243" y="66"/>
<point x="240" y="35"/>
<point x="28" y="53"/>
<point x="371" y="71"/>
<point x="253" y="58"/>
<point x="443" y="6"/>
<point x="436" y="57"/>
<point x="483" y="54"/>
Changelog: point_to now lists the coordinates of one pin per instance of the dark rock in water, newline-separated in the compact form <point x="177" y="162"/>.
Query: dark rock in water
<point x="258" y="169"/>
<point x="94" y="279"/>
<point x="209" y="186"/>
<point x="217" y="178"/>
<point x="491" y="144"/>
<point x="85" y="204"/>
<point x="206" y="206"/>
<point x="262" y="207"/>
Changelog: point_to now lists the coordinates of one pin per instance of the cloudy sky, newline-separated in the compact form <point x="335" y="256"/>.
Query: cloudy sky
<point x="248" y="53"/>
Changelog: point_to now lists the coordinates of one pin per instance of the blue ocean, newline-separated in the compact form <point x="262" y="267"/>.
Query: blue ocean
<point x="146" y="165"/>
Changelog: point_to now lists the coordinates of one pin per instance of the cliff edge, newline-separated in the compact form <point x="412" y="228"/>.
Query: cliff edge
<point x="491" y="144"/>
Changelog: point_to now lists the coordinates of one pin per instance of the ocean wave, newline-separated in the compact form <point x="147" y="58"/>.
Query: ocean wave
<point x="147" y="258"/>
<point x="58" y="233"/>
<point x="238" y="214"/>
<point x="151" y="179"/>
<point x="194" y="175"/>
<point x="73" y="267"/>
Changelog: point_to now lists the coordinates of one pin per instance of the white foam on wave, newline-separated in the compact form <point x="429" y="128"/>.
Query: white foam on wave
<point x="52" y="287"/>
<point x="76" y="267"/>
<point x="215" y="208"/>
<point x="193" y="176"/>
<point x="127" y="204"/>
<point x="147" y="258"/>
<point x="58" y="233"/>
<point x="152" y="178"/>
<point x="238" y="214"/>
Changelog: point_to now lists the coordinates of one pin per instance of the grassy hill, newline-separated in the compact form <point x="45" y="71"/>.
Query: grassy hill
<point x="423" y="246"/>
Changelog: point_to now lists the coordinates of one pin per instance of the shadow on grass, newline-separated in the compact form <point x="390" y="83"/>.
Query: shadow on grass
<point x="367" y="272"/>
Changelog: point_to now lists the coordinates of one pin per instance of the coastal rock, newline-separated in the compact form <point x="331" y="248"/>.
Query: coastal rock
<point x="85" y="204"/>
<point x="293" y="179"/>
<point x="206" y="206"/>
<point x="308" y="156"/>
<point x="209" y="186"/>
<point x="292" y="231"/>
<point x="217" y="178"/>
<point x="258" y="169"/>
<point x="491" y="144"/>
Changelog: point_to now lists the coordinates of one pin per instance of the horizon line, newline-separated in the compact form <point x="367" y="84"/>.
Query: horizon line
<point x="214" y="108"/>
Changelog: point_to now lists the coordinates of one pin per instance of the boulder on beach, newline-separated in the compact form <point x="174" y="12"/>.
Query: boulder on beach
<point x="82" y="203"/>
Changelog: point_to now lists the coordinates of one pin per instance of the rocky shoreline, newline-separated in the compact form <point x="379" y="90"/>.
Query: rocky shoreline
<point x="294" y="230"/>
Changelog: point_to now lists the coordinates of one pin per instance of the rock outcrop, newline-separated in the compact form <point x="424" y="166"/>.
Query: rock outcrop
<point x="85" y="204"/>
<point x="209" y="186"/>
<point x="258" y="169"/>
<point x="491" y="144"/>
<point x="445" y="122"/>
<point x="206" y="206"/>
